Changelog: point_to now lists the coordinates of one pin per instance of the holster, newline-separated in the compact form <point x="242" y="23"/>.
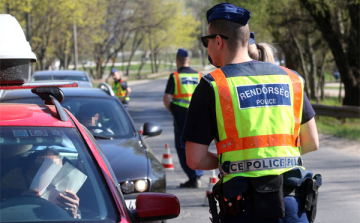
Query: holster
<point x="265" y="194"/>
<point x="228" y="206"/>
<point x="213" y="209"/>
<point x="310" y="189"/>
<point x="268" y="197"/>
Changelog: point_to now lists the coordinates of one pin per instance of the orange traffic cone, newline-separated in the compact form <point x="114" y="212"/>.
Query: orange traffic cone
<point x="212" y="182"/>
<point x="166" y="159"/>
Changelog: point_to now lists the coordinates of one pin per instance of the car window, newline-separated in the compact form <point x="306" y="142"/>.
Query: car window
<point x="102" y="116"/>
<point x="60" y="77"/>
<point x="41" y="78"/>
<point x="70" y="78"/>
<point x="38" y="163"/>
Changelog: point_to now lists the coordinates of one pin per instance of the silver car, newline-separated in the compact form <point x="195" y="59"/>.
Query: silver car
<point x="81" y="77"/>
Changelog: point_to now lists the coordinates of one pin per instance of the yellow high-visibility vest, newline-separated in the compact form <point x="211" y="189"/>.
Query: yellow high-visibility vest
<point x="185" y="84"/>
<point x="118" y="91"/>
<point x="258" y="121"/>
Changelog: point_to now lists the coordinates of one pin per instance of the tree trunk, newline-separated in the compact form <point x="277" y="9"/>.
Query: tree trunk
<point x="135" y="45"/>
<point x="143" y="61"/>
<point x="312" y="76"/>
<point x="151" y="54"/>
<point x="302" y="60"/>
<point x="321" y="82"/>
<point x="348" y="64"/>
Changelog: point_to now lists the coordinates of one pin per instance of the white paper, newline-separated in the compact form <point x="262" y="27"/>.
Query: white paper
<point x="52" y="177"/>
<point x="68" y="178"/>
<point x="45" y="175"/>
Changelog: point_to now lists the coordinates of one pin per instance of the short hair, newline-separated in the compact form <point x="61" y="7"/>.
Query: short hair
<point x="238" y="34"/>
<point x="182" y="60"/>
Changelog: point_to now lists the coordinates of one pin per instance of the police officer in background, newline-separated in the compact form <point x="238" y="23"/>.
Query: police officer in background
<point x="258" y="115"/>
<point x="180" y="86"/>
<point x="120" y="87"/>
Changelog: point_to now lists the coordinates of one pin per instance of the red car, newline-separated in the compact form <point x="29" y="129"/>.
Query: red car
<point x="52" y="169"/>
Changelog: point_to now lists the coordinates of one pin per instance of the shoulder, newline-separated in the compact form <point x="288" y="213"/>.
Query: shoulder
<point x="171" y="77"/>
<point x="207" y="79"/>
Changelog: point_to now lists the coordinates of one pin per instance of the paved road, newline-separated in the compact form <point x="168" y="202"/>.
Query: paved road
<point x="339" y="196"/>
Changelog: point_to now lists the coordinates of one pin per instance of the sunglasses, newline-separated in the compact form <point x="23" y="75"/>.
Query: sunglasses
<point x="205" y="39"/>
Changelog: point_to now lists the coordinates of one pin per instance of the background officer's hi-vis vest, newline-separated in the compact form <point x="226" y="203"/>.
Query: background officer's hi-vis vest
<point x="185" y="84"/>
<point x="258" y="120"/>
<point x="118" y="91"/>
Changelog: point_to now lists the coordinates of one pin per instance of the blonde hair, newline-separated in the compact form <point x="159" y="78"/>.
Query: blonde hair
<point x="262" y="52"/>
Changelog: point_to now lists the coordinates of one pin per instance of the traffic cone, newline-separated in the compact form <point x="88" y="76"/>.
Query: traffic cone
<point x="212" y="182"/>
<point x="141" y="131"/>
<point x="166" y="159"/>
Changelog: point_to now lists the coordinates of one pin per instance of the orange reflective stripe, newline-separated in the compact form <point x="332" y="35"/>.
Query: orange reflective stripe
<point x="121" y="93"/>
<point x="298" y="96"/>
<point x="178" y="87"/>
<point x="226" y="104"/>
<point x="232" y="144"/>
<point x="182" y="95"/>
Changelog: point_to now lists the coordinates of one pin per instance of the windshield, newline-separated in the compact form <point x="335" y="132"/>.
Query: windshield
<point x="60" y="77"/>
<point x="104" y="117"/>
<point x="48" y="174"/>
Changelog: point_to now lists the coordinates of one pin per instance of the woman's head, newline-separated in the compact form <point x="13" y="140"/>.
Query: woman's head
<point x="261" y="51"/>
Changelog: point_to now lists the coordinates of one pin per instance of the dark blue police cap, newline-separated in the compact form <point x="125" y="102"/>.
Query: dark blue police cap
<point x="252" y="38"/>
<point x="182" y="53"/>
<point x="229" y="12"/>
<point x="113" y="70"/>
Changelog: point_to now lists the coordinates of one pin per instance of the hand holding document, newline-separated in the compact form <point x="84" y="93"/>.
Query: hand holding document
<point x="52" y="176"/>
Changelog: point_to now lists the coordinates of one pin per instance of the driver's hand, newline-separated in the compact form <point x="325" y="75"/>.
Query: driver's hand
<point x="69" y="201"/>
<point x="31" y="192"/>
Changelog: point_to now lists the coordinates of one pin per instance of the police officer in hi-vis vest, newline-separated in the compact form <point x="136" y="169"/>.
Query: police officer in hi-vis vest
<point x="120" y="87"/>
<point x="262" y="123"/>
<point x="180" y="86"/>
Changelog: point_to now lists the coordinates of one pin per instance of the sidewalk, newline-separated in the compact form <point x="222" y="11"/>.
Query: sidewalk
<point x="345" y="145"/>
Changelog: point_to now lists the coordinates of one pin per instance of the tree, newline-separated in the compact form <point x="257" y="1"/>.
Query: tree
<point x="116" y="28"/>
<point x="330" y="17"/>
<point x="168" y="27"/>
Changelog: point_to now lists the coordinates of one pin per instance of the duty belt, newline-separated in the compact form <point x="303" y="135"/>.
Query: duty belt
<point x="259" y="164"/>
<point x="181" y="101"/>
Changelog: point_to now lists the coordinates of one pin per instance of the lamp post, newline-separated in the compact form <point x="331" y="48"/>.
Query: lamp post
<point x="75" y="40"/>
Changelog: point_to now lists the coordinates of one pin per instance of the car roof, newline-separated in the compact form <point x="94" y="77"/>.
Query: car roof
<point x="60" y="72"/>
<point x="68" y="92"/>
<point x="31" y="115"/>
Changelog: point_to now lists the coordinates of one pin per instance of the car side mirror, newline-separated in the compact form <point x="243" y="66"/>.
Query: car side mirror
<point x="151" y="129"/>
<point x="156" y="206"/>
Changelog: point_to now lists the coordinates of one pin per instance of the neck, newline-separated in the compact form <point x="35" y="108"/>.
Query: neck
<point x="239" y="56"/>
<point x="182" y="65"/>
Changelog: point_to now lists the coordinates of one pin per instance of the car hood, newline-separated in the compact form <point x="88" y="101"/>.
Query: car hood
<point x="127" y="157"/>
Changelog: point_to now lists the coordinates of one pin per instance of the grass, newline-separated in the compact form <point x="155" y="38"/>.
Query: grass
<point x="350" y="129"/>
<point x="332" y="126"/>
<point x="335" y="88"/>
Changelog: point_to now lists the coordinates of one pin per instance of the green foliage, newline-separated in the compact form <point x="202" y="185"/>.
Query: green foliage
<point x="350" y="129"/>
<point x="332" y="126"/>
<point x="331" y="101"/>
